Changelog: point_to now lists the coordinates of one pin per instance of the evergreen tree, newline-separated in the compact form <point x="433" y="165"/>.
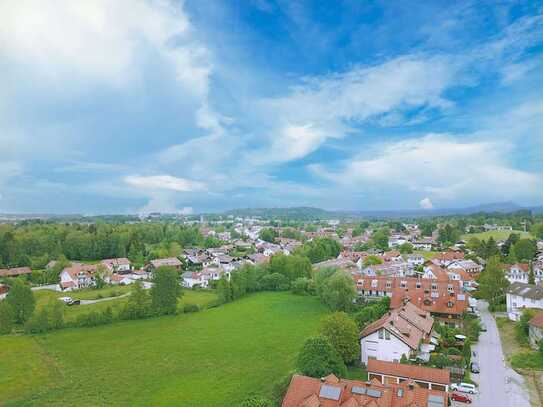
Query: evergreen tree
<point x="22" y="300"/>
<point x="531" y="274"/>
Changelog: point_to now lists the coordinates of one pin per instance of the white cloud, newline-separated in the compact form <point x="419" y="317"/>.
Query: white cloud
<point x="448" y="168"/>
<point x="101" y="39"/>
<point x="186" y="210"/>
<point x="426" y="203"/>
<point x="167" y="182"/>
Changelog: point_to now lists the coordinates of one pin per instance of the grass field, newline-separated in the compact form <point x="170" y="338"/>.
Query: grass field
<point x="496" y="234"/>
<point x="211" y="358"/>
<point x="427" y="255"/>
<point x="43" y="297"/>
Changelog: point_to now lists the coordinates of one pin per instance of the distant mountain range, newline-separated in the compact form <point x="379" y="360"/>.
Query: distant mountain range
<point x="317" y="213"/>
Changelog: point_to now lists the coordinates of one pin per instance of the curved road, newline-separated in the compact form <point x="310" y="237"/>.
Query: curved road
<point x="499" y="385"/>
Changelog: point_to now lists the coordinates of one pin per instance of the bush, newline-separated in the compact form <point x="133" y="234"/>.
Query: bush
<point x="303" y="286"/>
<point x="522" y="327"/>
<point x="187" y="308"/>
<point x="256" y="401"/>
<point x="274" y="282"/>
<point x="39" y="323"/>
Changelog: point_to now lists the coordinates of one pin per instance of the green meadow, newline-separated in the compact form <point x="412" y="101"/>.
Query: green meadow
<point x="496" y="234"/>
<point x="211" y="358"/>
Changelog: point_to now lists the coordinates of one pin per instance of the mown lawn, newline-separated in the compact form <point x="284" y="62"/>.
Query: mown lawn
<point x="211" y="358"/>
<point x="496" y="234"/>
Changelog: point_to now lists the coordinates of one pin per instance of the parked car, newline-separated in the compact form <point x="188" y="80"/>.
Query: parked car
<point x="69" y="301"/>
<point x="461" y="398"/>
<point x="464" y="387"/>
<point x="483" y="328"/>
<point x="475" y="368"/>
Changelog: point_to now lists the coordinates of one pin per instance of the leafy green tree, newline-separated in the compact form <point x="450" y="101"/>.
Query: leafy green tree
<point x="523" y="326"/>
<point x="274" y="282"/>
<point x="318" y="358"/>
<point x="303" y="285"/>
<point x="56" y="314"/>
<point x="380" y="239"/>
<point x="38" y="323"/>
<point x="138" y="305"/>
<point x="7" y="318"/>
<point x="319" y="249"/>
<point x="508" y="244"/>
<point x="343" y="334"/>
<point x="340" y="292"/>
<point x="292" y="267"/>
<point x="537" y="230"/>
<point x="268" y="235"/>
<point x="448" y="235"/>
<point x="166" y="290"/>
<point x="372" y="261"/>
<point x="493" y="282"/>
<point x="224" y="290"/>
<point x="22" y="300"/>
<point x="525" y="249"/>
<point x="321" y="277"/>
<point x="406" y="248"/>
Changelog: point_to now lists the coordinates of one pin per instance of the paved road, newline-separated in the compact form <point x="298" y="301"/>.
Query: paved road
<point x="88" y="302"/>
<point x="499" y="386"/>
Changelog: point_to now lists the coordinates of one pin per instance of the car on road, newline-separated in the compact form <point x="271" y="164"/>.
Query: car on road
<point x="461" y="398"/>
<point x="464" y="388"/>
<point x="483" y="328"/>
<point x="69" y="301"/>
<point x="475" y="368"/>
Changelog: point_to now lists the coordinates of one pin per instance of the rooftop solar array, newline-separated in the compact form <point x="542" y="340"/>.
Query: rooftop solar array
<point x="358" y="390"/>
<point x="374" y="393"/>
<point x="330" y="392"/>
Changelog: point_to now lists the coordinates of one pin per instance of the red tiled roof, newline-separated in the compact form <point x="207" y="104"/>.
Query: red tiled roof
<point x="305" y="391"/>
<point x="427" y="374"/>
<point x="537" y="320"/>
<point x="14" y="272"/>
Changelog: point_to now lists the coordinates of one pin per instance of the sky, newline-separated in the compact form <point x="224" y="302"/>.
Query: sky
<point x="196" y="106"/>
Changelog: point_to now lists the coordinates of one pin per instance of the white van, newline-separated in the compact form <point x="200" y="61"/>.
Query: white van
<point x="464" y="388"/>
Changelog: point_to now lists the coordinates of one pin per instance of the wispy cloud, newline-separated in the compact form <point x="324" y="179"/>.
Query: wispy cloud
<point x="164" y="182"/>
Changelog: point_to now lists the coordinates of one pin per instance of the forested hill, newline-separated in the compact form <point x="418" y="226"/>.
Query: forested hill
<point x="296" y="213"/>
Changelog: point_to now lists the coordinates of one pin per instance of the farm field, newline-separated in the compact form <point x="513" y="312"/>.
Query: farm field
<point x="496" y="234"/>
<point x="211" y="358"/>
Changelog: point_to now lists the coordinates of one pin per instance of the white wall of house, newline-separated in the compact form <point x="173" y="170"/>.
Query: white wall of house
<point x="516" y="303"/>
<point x="390" y="350"/>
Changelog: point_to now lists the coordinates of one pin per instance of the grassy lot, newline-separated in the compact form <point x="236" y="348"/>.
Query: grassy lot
<point x="215" y="357"/>
<point x="43" y="297"/>
<point x="523" y="359"/>
<point x="496" y="234"/>
<point x="426" y="255"/>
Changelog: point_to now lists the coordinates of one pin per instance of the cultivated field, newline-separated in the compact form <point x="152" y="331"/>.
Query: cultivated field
<point x="211" y="358"/>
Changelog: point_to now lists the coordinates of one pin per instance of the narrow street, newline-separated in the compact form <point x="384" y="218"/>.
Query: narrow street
<point x="499" y="385"/>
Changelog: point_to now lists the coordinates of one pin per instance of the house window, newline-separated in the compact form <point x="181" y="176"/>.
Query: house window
<point x="418" y="285"/>
<point x="434" y="286"/>
<point x="389" y="284"/>
<point x="381" y="333"/>
<point x="373" y="283"/>
<point x="403" y="284"/>
<point x="387" y="335"/>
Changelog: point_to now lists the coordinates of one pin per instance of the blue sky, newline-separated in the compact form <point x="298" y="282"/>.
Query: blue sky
<point x="138" y="106"/>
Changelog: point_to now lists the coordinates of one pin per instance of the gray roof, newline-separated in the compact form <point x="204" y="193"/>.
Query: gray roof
<point x="526" y="291"/>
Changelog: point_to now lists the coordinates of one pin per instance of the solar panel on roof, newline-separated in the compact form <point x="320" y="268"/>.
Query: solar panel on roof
<point x="374" y="393"/>
<point x="358" y="390"/>
<point x="435" y="401"/>
<point x="330" y="392"/>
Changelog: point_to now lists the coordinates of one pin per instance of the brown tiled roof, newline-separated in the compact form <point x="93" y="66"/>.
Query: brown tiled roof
<point x="537" y="320"/>
<point x="170" y="261"/>
<point x="427" y="374"/>
<point x="406" y="323"/>
<point x="305" y="391"/>
<point x="14" y="272"/>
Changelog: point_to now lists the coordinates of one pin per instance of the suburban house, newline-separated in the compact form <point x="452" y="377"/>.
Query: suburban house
<point x="426" y="244"/>
<point x="3" y="291"/>
<point x="468" y="265"/>
<point x="119" y="265"/>
<point x="396" y="373"/>
<point x="340" y="263"/>
<point x="414" y="260"/>
<point x="78" y="276"/>
<point x="15" y="272"/>
<point x="520" y="272"/>
<point x="202" y="278"/>
<point x="330" y="391"/>
<point x="446" y="258"/>
<point x="398" y="333"/>
<point x="169" y="262"/>
<point x="535" y="332"/>
<point x="444" y="299"/>
<point x="520" y="296"/>
<point x="435" y="272"/>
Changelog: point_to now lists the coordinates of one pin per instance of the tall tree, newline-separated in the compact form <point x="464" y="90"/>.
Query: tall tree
<point x="493" y="282"/>
<point x="339" y="292"/>
<point x="343" y="334"/>
<point x="22" y="300"/>
<point x="7" y="317"/>
<point x="166" y="290"/>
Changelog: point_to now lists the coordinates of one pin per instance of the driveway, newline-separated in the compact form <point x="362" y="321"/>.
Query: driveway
<point x="88" y="302"/>
<point x="499" y="385"/>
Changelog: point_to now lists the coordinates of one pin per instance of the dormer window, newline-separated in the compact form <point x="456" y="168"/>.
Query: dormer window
<point x="434" y="286"/>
